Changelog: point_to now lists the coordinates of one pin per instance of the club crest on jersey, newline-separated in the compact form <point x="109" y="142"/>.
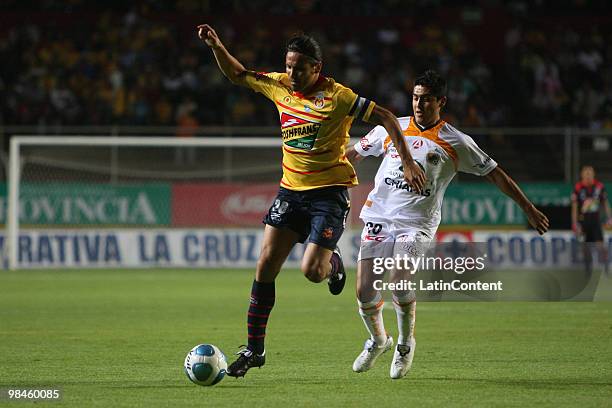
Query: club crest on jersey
<point x="298" y="132"/>
<point x="433" y="158"/>
<point x="319" y="101"/>
<point x="327" y="233"/>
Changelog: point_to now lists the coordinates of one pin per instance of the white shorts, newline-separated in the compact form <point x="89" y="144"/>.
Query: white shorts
<point x="382" y="240"/>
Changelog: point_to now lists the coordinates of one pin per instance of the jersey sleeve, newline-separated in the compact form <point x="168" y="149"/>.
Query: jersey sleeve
<point x="471" y="158"/>
<point x="265" y="83"/>
<point x="348" y="103"/>
<point x="372" y="144"/>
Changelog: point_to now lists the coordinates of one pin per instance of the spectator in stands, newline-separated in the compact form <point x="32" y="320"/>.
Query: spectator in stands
<point x="187" y="127"/>
<point x="88" y="74"/>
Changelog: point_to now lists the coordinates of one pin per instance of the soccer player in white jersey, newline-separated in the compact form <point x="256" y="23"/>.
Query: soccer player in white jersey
<point x="395" y="213"/>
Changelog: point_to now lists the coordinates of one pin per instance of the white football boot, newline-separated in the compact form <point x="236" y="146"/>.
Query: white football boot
<point x="370" y="353"/>
<point x="402" y="359"/>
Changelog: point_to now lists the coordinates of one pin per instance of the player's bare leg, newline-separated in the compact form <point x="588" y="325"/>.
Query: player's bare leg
<point x="276" y="246"/>
<point x="370" y="309"/>
<point x="316" y="265"/>
<point x="320" y="263"/>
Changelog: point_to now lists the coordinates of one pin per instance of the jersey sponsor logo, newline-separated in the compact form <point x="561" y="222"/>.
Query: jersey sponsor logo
<point x="483" y="164"/>
<point x="290" y="122"/>
<point x="397" y="174"/>
<point x="590" y="205"/>
<point x="299" y="133"/>
<point x="589" y="198"/>
<point x="365" y="145"/>
<point x="401" y="168"/>
<point x="402" y="185"/>
<point x="377" y="238"/>
<point x="392" y="152"/>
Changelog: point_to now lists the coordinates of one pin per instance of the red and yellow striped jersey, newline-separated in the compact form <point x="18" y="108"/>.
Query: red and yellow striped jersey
<point x="314" y="128"/>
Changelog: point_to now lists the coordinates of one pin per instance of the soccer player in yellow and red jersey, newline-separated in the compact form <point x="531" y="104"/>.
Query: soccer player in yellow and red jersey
<point x="315" y="113"/>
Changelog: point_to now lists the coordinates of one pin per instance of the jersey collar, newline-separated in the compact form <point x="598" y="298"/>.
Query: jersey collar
<point x="422" y="129"/>
<point x="314" y="86"/>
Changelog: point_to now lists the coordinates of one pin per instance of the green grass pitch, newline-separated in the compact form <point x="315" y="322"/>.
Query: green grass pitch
<point x="119" y="337"/>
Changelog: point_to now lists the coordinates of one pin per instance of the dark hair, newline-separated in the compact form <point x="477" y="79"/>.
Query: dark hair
<point x="433" y="81"/>
<point x="305" y="45"/>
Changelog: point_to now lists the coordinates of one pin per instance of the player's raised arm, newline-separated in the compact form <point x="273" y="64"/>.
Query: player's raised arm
<point x="413" y="174"/>
<point x="228" y="64"/>
<point x="508" y="186"/>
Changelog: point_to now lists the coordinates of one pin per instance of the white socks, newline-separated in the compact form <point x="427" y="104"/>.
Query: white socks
<point x="371" y="314"/>
<point x="405" y="309"/>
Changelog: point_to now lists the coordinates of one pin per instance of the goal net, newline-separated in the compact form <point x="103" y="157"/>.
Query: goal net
<point x="141" y="201"/>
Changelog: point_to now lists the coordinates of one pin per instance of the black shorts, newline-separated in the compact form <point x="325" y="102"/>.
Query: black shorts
<point x="592" y="231"/>
<point x="317" y="215"/>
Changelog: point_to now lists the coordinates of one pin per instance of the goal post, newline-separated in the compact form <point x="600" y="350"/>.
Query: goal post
<point x="70" y="176"/>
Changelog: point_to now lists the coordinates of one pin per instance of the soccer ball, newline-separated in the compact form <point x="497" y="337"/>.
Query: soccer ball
<point x="205" y="365"/>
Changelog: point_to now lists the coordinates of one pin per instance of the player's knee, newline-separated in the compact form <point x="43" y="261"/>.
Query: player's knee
<point x="365" y="294"/>
<point x="313" y="272"/>
<point x="404" y="297"/>
<point x="268" y="263"/>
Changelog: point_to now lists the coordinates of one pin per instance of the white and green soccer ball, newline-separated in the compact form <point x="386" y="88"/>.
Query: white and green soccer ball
<point x="205" y="365"/>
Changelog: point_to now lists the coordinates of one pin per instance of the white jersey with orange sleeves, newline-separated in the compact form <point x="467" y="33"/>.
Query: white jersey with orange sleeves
<point x="440" y="151"/>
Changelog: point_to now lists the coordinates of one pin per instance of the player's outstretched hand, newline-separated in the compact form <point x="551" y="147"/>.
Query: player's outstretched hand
<point x="414" y="176"/>
<point x="538" y="220"/>
<point x="209" y="36"/>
